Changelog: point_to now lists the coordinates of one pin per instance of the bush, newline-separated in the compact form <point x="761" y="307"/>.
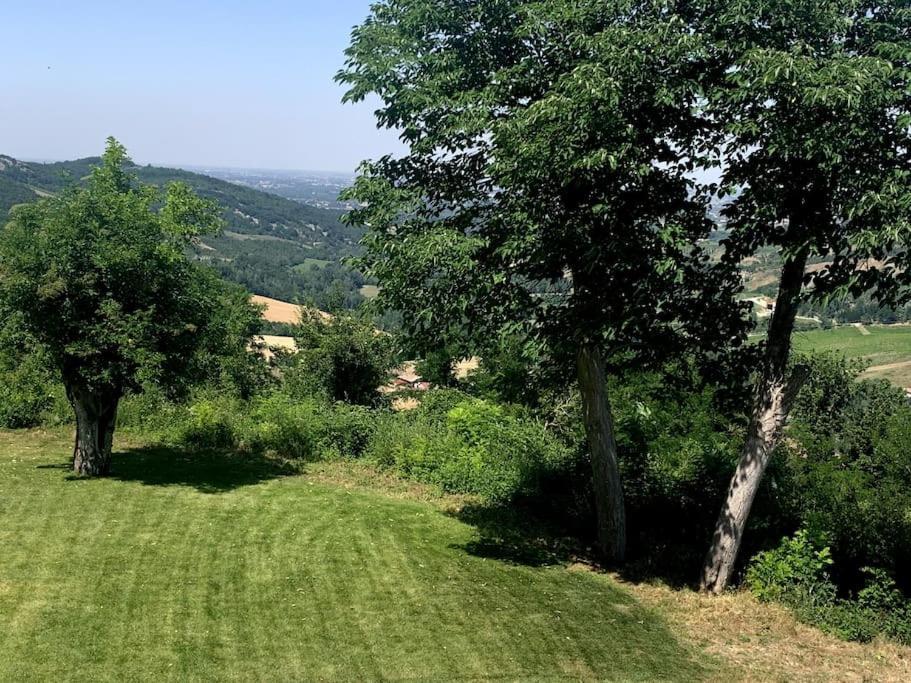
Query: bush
<point x="343" y="359"/>
<point x="29" y="395"/>
<point x="306" y="429"/>
<point x="797" y="563"/>
<point x="851" y="469"/>
<point x="279" y="424"/>
<point x="29" y="401"/>
<point x="796" y="573"/>
<point x="473" y="447"/>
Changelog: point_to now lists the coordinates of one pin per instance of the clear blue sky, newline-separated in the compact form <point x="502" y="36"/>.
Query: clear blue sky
<point x="241" y="83"/>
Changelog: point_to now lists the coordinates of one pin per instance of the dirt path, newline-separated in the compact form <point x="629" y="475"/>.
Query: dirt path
<point x="875" y="369"/>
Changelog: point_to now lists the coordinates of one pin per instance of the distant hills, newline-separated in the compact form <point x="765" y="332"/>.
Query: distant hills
<point x="274" y="246"/>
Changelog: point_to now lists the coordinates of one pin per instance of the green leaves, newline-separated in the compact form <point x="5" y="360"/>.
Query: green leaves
<point x="814" y="103"/>
<point x="185" y="215"/>
<point x="99" y="279"/>
<point x="548" y="149"/>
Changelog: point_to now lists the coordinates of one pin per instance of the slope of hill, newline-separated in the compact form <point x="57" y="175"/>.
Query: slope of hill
<point x="189" y="565"/>
<point x="269" y="244"/>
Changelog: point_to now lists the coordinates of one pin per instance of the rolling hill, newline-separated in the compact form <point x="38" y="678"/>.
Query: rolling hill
<point x="269" y="243"/>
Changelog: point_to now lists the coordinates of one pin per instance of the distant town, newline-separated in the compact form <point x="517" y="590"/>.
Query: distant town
<point x="316" y="188"/>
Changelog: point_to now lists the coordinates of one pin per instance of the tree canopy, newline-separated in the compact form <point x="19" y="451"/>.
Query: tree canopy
<point x="98" y="277"/>
<point x="812" y="101"/>
<point x="546" y="192"/>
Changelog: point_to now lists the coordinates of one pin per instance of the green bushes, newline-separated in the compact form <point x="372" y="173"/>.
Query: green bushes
<point x="850" y="463"/>
<point x="796" y="564"/>
<point x="343" y="358"/>
<point x="307" y="429"/>
<point x="29" y="396"/>
<point x="462" y="445"/>
<point x="468" y="446"/>
<point x="796" y="573"/>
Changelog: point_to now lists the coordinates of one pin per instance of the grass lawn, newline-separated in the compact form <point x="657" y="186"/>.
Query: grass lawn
<point x="887" y="348"/>
<point x="214" y="567"/>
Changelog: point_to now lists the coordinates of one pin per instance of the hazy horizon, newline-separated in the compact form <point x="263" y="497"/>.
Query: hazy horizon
<point x="190" y="166"/>
<point x="225" y="85"/>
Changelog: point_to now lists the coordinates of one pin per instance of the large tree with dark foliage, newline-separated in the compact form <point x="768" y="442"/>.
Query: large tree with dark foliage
<point x="545" y="193"/>
<point x="814" y="102"/>
<point x="98" y="277"/>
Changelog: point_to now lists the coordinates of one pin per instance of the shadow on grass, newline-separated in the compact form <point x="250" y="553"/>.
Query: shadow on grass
<point x="514" y="536"/>
<point x="517" y="536"/>
<point x="206" y="470"/>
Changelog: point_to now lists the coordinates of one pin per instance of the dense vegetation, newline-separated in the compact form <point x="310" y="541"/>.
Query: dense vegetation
<point x="265" y="240"/>
<point x="545" y="218"/>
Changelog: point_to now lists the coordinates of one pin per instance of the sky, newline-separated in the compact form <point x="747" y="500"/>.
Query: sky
<point x="232" y="83"/>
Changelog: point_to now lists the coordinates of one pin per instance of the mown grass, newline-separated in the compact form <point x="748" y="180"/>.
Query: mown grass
<point x="882" y="345"/>
<point x="209" y="566"/>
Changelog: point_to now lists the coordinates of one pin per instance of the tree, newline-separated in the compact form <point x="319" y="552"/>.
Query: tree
<point x="98" y="278"/>
<point x="342" y="356"/>
<point x="438" y="366"/>
<point x="544" y="194"/>
<point x="814" y="99"/>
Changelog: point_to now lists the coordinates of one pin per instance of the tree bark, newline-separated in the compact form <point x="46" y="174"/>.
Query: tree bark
<point x="775" y="392"/>
<point x="599" y="429"/>
<point x="96" y="418"/>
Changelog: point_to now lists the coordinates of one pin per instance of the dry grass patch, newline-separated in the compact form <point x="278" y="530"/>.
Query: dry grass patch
<point x="766" y="643"/>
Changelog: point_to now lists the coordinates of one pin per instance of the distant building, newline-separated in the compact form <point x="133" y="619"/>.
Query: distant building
<point x="407" y="378"/>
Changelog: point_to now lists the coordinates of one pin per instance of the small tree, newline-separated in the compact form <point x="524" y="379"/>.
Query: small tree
<point x="342" y="356"/>
<point x="99" y="279"/>
<point x="815" y="101"/>
<point x="544" y="194"/>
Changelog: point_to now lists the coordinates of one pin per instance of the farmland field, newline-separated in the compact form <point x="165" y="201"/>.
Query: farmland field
<point x="369" y="291"/>
<point x="886" y="348"/>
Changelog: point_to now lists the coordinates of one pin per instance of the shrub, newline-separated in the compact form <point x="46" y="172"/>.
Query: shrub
<point x="851" y="469"/>
<point x="796" y="573"/>
<point x="343" y="358"/>
<point x="797" y="563"/>
<point x="304" y="429"/>
<point x="29" y="395"/>
<point x="209" y="425"/>
<point x="474" y="447"/>
<point x="346" y="430"/>
<point x="279" y="424"/>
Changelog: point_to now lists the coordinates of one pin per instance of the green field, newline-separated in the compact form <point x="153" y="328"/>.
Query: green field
<point x="215" y="567"/>
<point x="311" y="263"/>
<point x="886" y="348"/>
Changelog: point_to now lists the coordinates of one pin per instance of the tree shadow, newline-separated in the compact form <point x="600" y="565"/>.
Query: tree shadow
<point x="519" y="536"/>
<point x="515" y="536"/>
<point x="206" y="470"/>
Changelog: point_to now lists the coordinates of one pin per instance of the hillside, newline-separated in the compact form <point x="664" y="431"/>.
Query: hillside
<point x="272" y="245"/>
<point x="886" y="349"/>
<point x="335" y="572"/>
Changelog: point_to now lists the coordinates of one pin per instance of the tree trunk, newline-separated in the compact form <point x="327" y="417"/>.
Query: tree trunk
<point x="96" y="417"/>
<point x="599" y="429"/>
<point x="775" y="392"/>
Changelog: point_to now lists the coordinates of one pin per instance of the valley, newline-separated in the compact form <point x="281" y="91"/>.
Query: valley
<point x="268" y="244"/>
